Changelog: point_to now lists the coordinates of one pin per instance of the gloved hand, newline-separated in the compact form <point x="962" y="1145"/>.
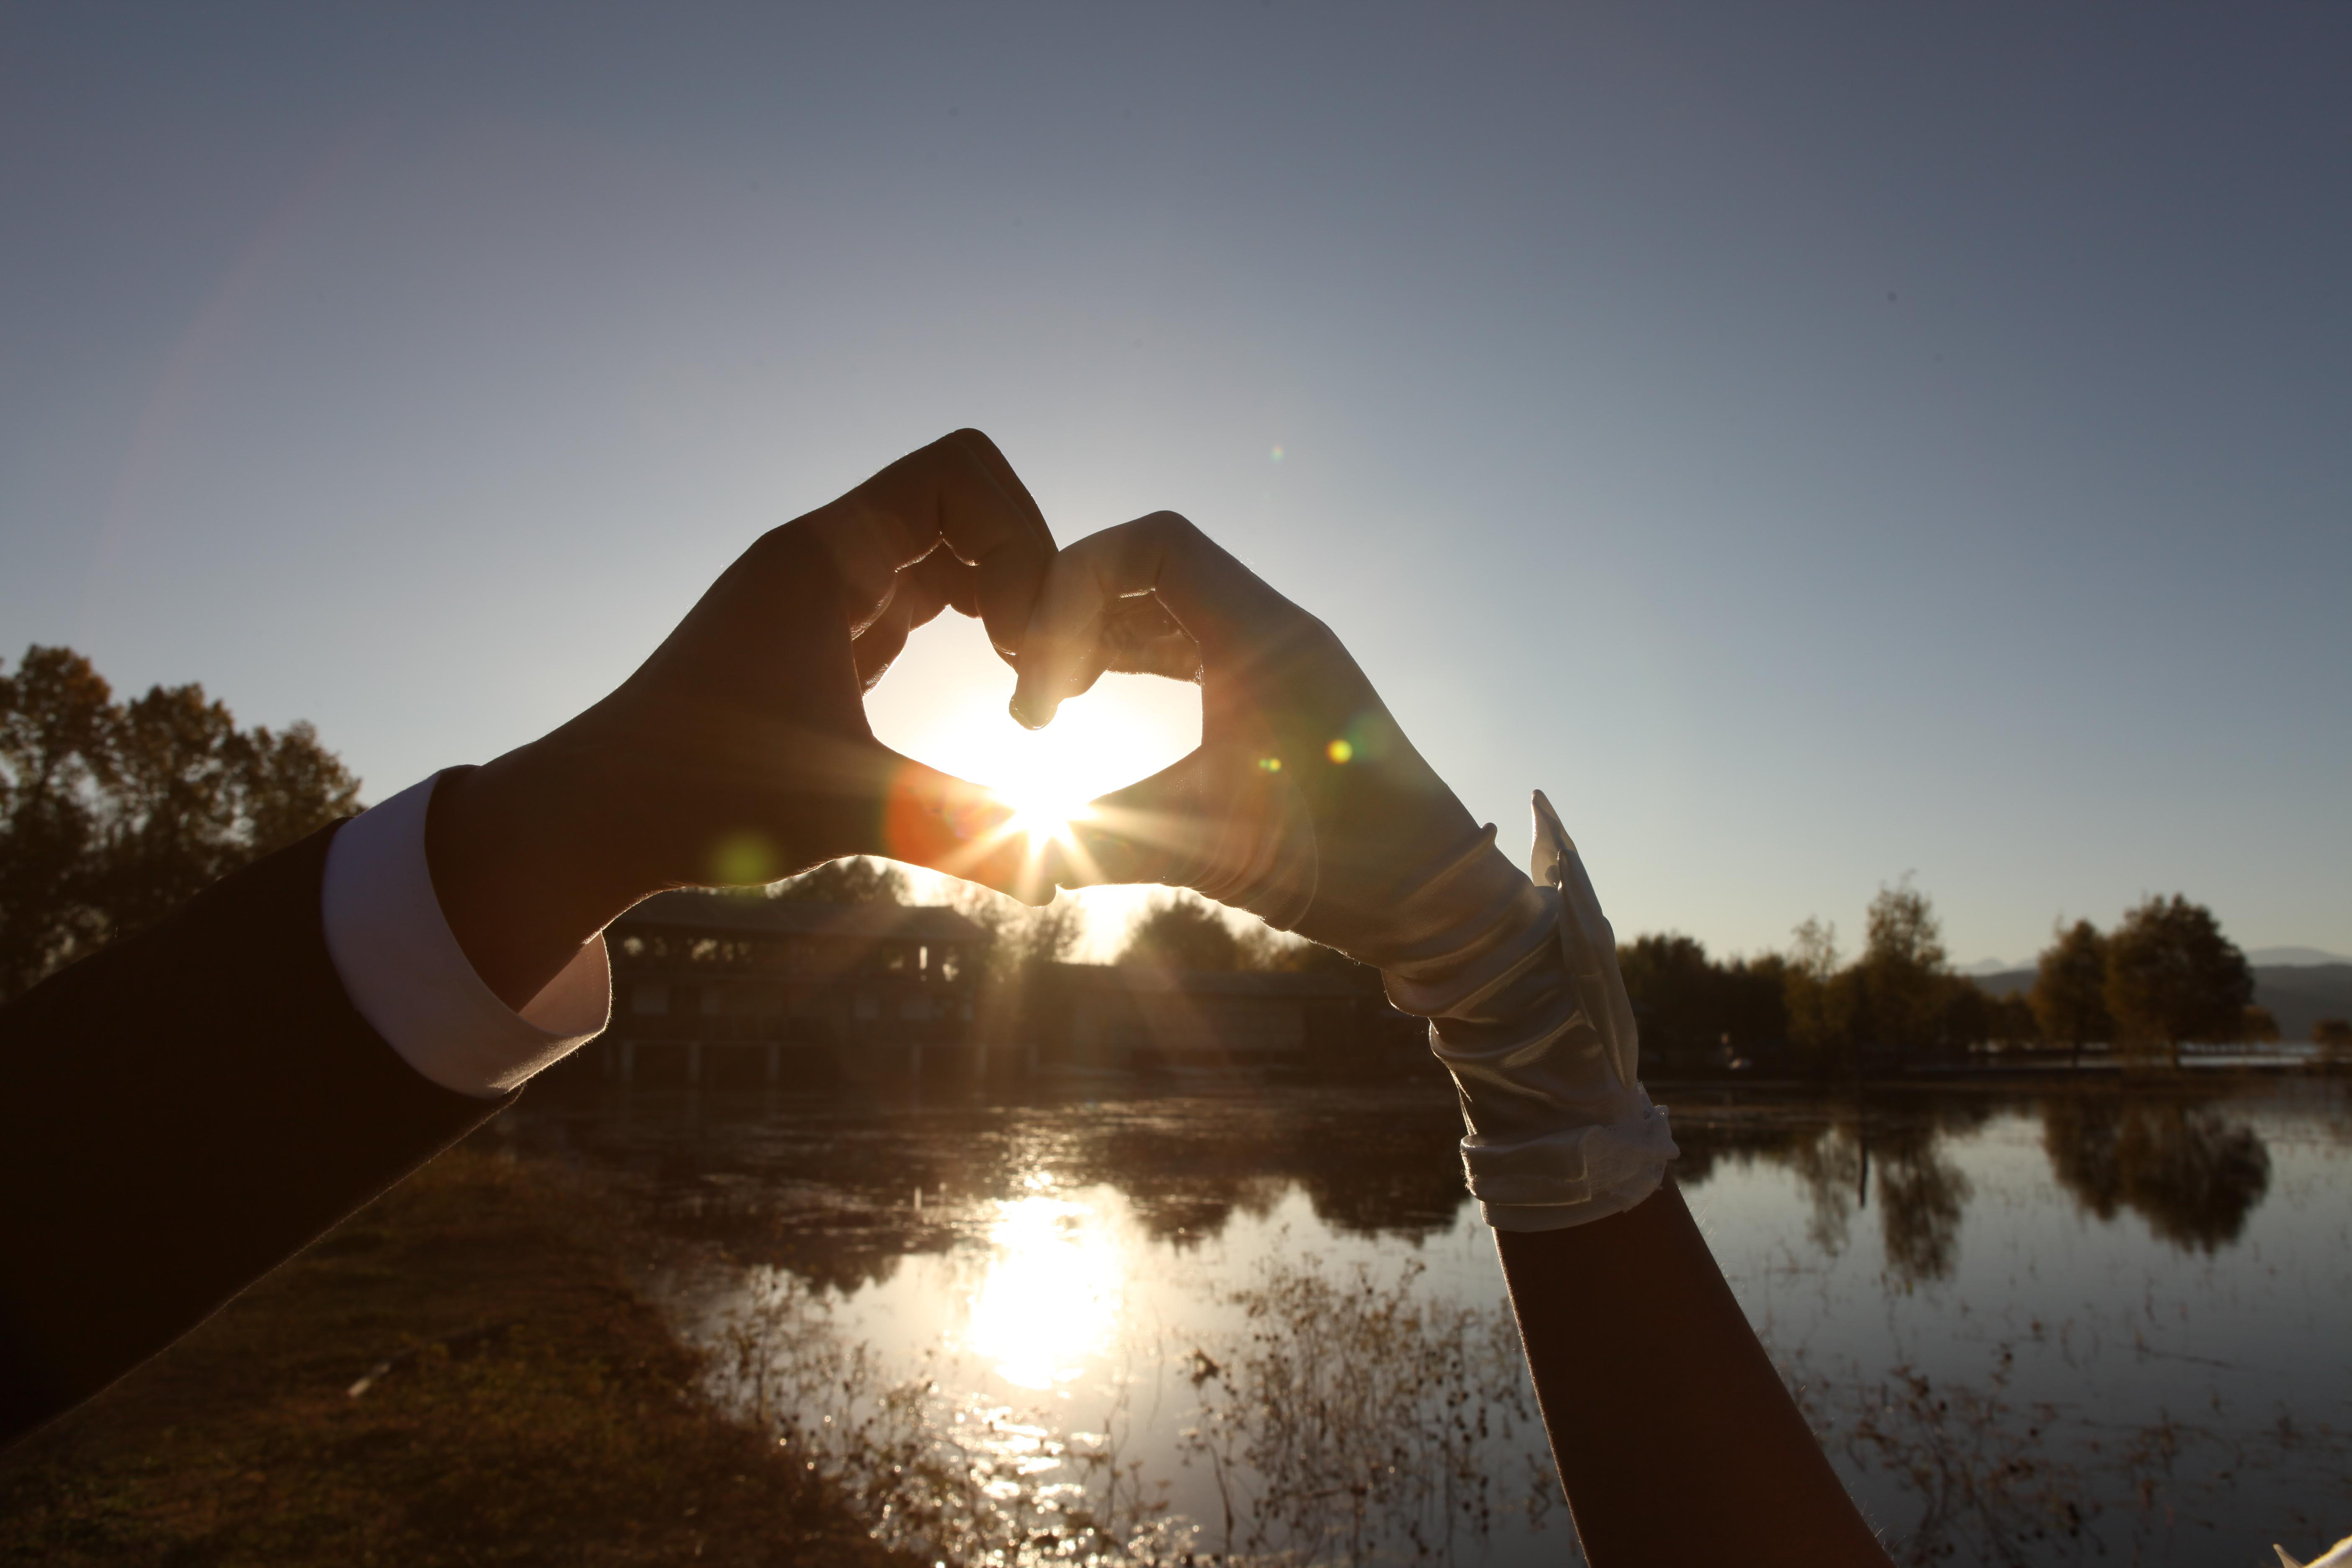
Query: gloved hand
<point x="1305" y="803"/>
<point x="1305" y="806"/>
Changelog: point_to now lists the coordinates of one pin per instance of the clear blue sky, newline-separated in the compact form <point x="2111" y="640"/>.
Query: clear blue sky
<point x="1811" y="442"/>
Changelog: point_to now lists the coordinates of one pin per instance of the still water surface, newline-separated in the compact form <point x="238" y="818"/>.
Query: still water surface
<point x="2071" y="1325"/>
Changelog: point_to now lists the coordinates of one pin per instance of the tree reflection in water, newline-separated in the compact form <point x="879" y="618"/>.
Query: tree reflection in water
<point x="1921" y="1196"/>
<point x="1983" y="1475"/>
<point x="1306" y="1413"/>
<point x="1921" y="1193"/>
<point x="2191" y="1172"/>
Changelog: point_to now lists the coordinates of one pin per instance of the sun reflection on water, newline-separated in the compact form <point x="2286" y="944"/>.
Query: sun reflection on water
<point x="1052" y="1293"/>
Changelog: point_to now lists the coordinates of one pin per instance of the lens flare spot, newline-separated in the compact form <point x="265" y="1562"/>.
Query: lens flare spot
<point x="742" y="859"/>
<point x="1340" y="751"/>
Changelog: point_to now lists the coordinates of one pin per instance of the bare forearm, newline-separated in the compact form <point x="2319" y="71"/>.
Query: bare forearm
<point x="1675" y="1438"/>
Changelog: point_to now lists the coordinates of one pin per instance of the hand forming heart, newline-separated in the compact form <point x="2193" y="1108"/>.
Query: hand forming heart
<point x="1305" y="803"/>
<point x="740" y="752"/>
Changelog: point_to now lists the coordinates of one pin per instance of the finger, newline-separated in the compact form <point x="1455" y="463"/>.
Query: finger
<point x="1140" y="637"/>
<point x="920" y="593"/>
<point x="955" y="489"/>
<point x="941" y="579"/>
<point x="1210" y="597"/>
<point x="876" y="648"/>
<point x="1006" y="584"/>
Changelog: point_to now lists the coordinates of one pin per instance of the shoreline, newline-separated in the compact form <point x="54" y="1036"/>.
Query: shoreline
<point x="463" y="1372"/>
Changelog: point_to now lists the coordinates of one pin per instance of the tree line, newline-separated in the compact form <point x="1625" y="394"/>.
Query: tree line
<point x="114" y="813"/>
<point x="2163" y="977"/>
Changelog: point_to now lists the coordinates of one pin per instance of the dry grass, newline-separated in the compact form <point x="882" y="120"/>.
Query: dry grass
<point x="537" y="1411"/>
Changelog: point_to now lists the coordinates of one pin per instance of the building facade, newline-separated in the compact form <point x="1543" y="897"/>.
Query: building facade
<point x="729" y="990"/>
<point x="737" y="989"/>
<point x="1083" y="1019"/>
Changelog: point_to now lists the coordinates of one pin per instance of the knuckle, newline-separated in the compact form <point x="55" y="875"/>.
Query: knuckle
<point x="969" y="443"/>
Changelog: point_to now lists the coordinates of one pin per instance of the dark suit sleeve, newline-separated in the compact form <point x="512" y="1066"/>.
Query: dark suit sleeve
<point x="179" y="1113"/>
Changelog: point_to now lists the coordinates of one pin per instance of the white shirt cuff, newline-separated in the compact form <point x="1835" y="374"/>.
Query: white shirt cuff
<point x="403" y="970"/>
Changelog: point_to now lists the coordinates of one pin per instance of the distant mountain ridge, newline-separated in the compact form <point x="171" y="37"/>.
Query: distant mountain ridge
<point x="2261" y="957"/>
<point x="2299" y="994"/>
<point x="2293" y="957"/>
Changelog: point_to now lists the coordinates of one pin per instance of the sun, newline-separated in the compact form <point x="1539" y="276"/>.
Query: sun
<point x="1041" y="813"/>
<point x="944" y="703"/>
<point x="1129" y="726"/>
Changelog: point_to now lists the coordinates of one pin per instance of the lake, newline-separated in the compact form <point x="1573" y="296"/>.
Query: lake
<point x="2081" y="1322"/>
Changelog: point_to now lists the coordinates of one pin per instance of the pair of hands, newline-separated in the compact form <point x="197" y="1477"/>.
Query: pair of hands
<point x="740" y="752"/>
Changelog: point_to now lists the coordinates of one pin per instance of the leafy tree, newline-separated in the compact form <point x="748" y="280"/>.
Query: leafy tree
<point x="2173" y="977"/>
<point x="1818" y="997"/>
<point x="2070" y="989"/>
<point x="1902" y="967"/>
<point x="1258" y="946"/>
<point x="55" y="718"/>
<point x="1752" y="1001"/>
<point x="2013" y="1022"/>
<point x="2334" y="1038"/>
<point x="112" y="815"/>
<point x="293" y="784"/>
<point x="2258" y="1026"/>
<point x="1182" y="931"/>
<point x="1691" y="1006"/>
<point x="1673" y="988"/>
<point x="1967" y="1017"/>
<point x="1024" y="939"/>
<point x="857" y="879"/>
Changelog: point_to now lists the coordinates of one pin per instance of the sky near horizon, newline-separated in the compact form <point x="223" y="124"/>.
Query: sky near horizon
<point x="1813" y="443"/>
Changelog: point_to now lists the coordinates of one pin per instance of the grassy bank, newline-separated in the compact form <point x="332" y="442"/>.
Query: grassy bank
<point x="535" y="1410"/>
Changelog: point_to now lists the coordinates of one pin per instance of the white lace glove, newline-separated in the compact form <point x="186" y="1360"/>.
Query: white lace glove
<point x="1305" y="806"/>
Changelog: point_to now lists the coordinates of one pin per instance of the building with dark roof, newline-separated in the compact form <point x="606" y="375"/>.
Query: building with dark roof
<point x="1085" y="1018"/>
<point x="742" y="988"/>
<point x="720" y="989"/>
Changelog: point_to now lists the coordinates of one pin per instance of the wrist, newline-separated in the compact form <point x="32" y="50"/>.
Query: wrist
<point x="528" y="862"/>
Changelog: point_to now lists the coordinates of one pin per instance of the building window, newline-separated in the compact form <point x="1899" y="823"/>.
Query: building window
<point x="914" y="1007"/>
<point x="651" y="996"/>
<point x="714" y="1002"/>
<point x="867" y="1006"/>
